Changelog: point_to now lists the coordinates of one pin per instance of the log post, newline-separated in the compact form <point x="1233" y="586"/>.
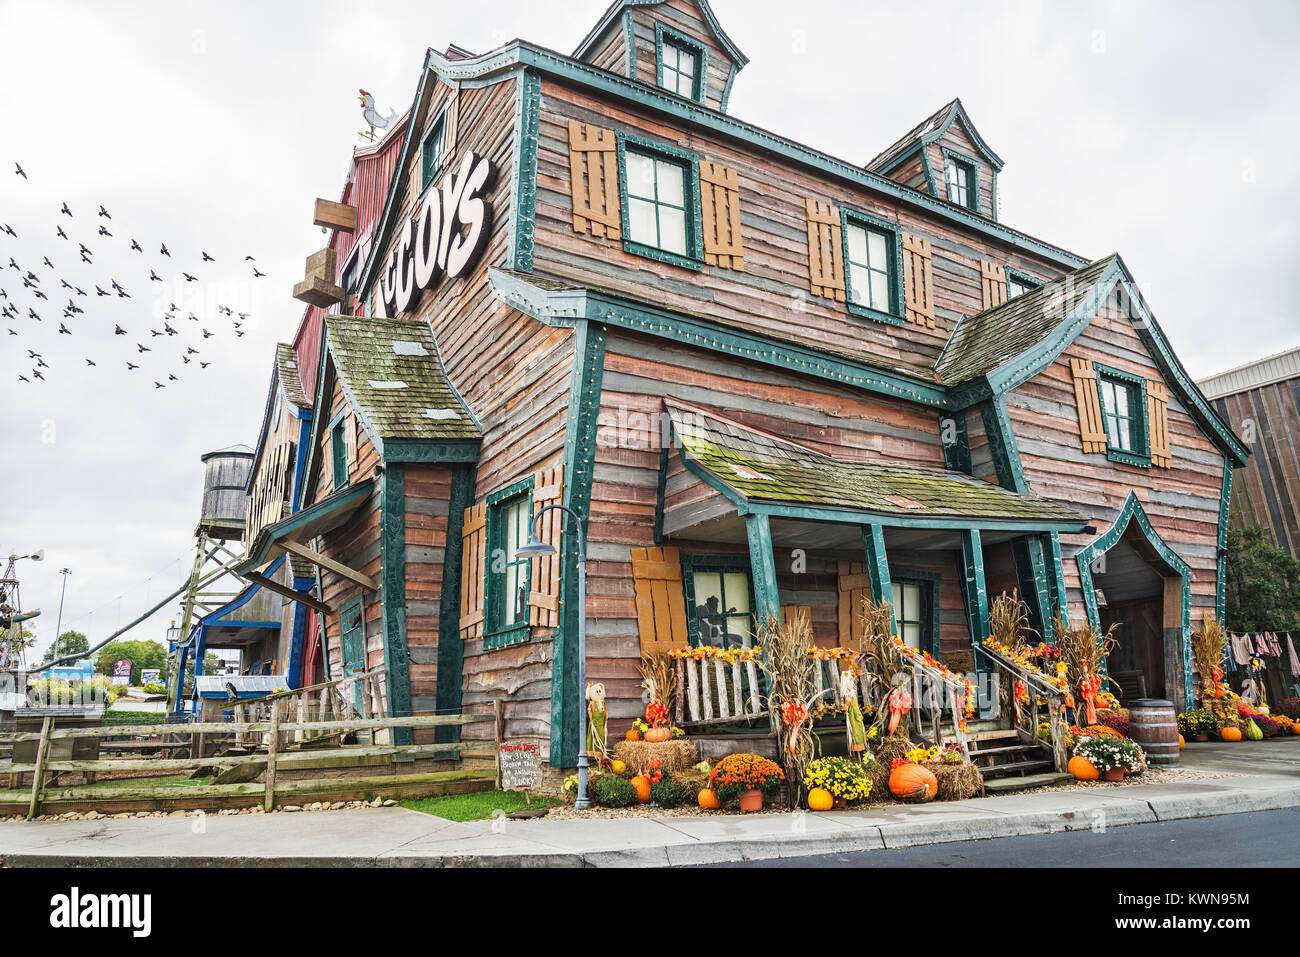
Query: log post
<point x="268" y="801"/>
<point x="38" y="775"/>
<point x="498" y="734"/>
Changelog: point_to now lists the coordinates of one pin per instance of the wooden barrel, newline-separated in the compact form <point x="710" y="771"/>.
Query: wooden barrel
<point x="1154" y="726"/>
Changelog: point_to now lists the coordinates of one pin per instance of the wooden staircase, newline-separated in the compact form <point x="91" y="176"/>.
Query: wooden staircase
<point x="1004" y="752"/>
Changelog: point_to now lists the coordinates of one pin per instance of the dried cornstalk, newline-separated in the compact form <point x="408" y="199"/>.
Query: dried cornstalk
<point x="789" y="668"/>
<point x="1082" y="649"/>
<point x="1009" y="620"/>
<point x="881" y="661"/>
<point x="659" y="678"/>
<point x="1208" y="644"/>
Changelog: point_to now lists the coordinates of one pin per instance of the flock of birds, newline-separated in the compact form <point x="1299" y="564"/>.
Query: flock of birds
<point x="40" y="295"/>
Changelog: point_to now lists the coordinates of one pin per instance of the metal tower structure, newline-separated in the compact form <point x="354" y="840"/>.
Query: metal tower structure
<point x="13" y="649"/>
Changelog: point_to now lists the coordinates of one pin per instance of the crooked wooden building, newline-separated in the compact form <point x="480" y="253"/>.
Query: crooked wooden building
<point x="766" y="378"/>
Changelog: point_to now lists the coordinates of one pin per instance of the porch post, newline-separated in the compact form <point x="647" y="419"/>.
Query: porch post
<point x="882" y="590"/>
<point x="977" y="598"/>
<point x="762" y="568"/>
<point x="1031" y="572"/>
<point x="1056" y="577"/>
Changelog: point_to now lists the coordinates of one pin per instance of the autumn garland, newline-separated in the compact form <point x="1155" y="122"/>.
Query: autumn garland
<point x="926" y="659"/>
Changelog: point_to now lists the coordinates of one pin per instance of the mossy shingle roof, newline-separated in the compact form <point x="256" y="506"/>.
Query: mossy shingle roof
<point x="391" y="370"/>
<point x="986" y="340"/>
<point x="911" y="139"/>
<point x="764" y="468"/>
<point x="287" y="369"/>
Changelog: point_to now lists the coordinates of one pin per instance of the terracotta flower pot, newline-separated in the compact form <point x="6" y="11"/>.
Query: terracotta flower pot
<point x="1113" y="774"/>
<point x="751" y="801"/>
<point x="1200" y="737"/>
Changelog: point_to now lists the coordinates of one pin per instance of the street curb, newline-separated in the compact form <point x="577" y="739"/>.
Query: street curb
<point x="1115" y="812"/>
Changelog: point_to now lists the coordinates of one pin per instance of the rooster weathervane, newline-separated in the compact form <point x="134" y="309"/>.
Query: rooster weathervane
<point x="372" y="117"/>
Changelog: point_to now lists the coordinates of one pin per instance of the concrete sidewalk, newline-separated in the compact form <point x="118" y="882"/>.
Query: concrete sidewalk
<point x="396" y="837"/>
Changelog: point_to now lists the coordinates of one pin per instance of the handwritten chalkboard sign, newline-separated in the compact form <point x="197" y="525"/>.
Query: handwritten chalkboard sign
<point x="521" y="766"/>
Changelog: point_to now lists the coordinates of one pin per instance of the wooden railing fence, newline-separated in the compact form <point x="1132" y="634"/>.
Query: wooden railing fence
<point x="1037" y="684"/>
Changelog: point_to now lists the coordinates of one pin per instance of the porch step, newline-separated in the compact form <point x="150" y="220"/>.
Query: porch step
<point x="1012" y="768"/>
<point x="1010" y="784"/>
<point x="996" y="734"/>
<point x="1005" y="749"/>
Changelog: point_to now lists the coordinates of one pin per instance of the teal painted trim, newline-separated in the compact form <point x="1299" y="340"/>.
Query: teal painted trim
<point x="429" y="177"/>
<point x="431" y="451"/>
<point x="1031" y="573"/>
<point x="1056" y="580"/>
<point x="715" y="482"/>
<point x="642" y="94"/>
<point x="973" y="189"/>
<point x="928" y="168"/>
<point x="974" y="587"/>
<point x="629" y="43"/>
<point x="894" y="317"/>
<point x="664" y="33"/>
<point x="1133" y="511"/>
<point x="691" y="197"/>
<point x="1002" y="444"/>
<point x="659" y="495"/>
<point x="959" y="112"/>
<point x="1221" y="565"/>
<point x="338" y="453"/>
<point x="1139" y="457"/>
<point x="494" y="635"/>
<point x="566" y="306"/>
<point x="726" y="89"/>
<point x="392" y="550"/>
<point x="929" y="582"/>
<point x="1021" y="277"/>
<point x="261" y="545"/>
<point x="691" y="564"/>
<point x="580" y="435"/>
<point x="846" y="517"/>
<point x="451" y="647"/>
<point x="762" y="565"/>
<point x="523" y="193"/>
<point x="882" y="590"/>
<point x="956" y="442"/>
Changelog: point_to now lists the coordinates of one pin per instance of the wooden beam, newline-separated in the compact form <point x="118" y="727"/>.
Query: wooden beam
<point x="318" y="291"/>
<point x="316" y="558"/>
<point x="286" y="592"/>
<point x="882" y="588"/>
<point x="338" y="216"/>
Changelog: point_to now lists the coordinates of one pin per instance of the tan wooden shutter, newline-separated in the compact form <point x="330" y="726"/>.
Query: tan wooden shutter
<point x="1158" y="423"/>
<point x="1092" y="430"/>
<point x="473" y="570"/>
<point x="660" y="599"/>
<point x="825" y="250"/>
<point x="918" y="281"/>
<point x="544" y="591"/>
<point x="854" y="584"/>
<point x="593" y="180"/>
<point x="993" y="278"/>
<point x="720" y="206"/>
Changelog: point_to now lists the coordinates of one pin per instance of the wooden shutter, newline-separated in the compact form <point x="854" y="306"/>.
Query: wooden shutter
<point x="825" y="250"/>
<point x="854" y="585"/>
<point x="918" y="281"/>
<point x="993" y="278"/>
<point x="593" y="180"/>
<point x="660" y="599"/>
<point x="473" y="570"/>
<point x="1158" y="423"/>
<point x="1092" y="430"/>
<point x="720" y="206"/>
<point x="544" y="592"/>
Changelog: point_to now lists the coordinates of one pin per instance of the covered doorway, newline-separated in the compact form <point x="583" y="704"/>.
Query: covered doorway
<point x="1131" y="579"/>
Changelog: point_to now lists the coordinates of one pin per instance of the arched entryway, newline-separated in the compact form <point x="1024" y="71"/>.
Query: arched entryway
<point x="1132" y="579"/>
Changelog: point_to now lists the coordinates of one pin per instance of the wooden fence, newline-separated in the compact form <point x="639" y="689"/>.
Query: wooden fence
<point x="277" y="736"/>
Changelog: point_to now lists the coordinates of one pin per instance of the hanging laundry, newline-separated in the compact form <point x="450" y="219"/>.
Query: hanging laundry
<point x="1274" y="646"/>
<point x="1241" y="649"/>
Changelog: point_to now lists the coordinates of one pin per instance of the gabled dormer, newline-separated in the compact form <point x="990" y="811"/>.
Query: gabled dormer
<point x="945" y="156"/>
<point x="676" y="46"/>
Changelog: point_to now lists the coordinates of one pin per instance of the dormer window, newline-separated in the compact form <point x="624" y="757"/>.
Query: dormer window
<point x="681" y="64"/>
<point x="1018" y="283"/>
<point x="431" y="152"/>
<point x="1124" y="412"/>
<point x="962" y="188"/>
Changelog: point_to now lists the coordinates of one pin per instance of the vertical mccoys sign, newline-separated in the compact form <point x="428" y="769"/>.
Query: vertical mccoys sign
<point x="443" y="239"/>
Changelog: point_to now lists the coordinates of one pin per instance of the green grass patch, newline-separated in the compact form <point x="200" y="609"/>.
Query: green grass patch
<point x="112" y="717"/>
<point x="478" y="806"/>
<point x="171" y="781"/>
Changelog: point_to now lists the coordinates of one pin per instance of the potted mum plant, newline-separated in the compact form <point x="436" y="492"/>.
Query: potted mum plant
<point x="1198" y="724"/>
<point x="1113" y="757"/>
<point x="747" y="777"/>
<point x="845" y="780"/>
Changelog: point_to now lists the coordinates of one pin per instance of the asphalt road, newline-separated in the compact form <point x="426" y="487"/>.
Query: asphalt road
<point x="1259" y="839"/>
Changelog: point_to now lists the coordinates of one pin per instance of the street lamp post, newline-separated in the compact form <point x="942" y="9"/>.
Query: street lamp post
<point x="58" y="622"/>
<point x="538" y="548"/>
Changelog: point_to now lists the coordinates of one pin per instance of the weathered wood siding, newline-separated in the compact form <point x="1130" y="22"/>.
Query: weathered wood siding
<point x="1182" y="501"/>
<point x="685" y="17"/>
<point x="428" y="493"/>
<point x="957" y="139"/>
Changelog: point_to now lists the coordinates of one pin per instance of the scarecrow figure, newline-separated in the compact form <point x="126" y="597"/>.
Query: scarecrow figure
<point x="596" y="721"/>
<point x="857" y="734"/>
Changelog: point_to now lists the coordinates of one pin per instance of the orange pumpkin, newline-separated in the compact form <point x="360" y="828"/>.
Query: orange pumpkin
<point x="1181" y="743"/>
<point x="642" y="786"/>
<point x="1083" y="769"/>
<point x="708" y="800"/>
<point x="911" y="782"/>
<point x="820" y="799"/>
<point x="632" y="735"/>
<point x="656" y="735"/>
<point x="1230" y="734"/>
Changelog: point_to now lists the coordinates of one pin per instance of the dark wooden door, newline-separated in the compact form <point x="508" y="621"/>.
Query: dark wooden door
<point x="352" y="628"/>
<point x="1140" y="641"/>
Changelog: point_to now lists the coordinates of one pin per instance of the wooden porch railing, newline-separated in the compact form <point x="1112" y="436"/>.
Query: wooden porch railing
<point x="936" y="692"/>
<point x="713" y="691"/>
<point x="1037" y="683"/>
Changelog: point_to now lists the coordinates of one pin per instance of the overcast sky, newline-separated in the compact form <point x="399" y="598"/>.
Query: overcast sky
<point x="1163" y="130"/>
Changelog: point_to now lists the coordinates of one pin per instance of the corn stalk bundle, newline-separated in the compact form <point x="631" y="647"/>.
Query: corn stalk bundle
<point x="789" y="668"/>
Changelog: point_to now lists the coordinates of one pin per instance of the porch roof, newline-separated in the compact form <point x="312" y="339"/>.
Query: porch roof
<point x="765" y="473"/>
<point x="321" y="518"/>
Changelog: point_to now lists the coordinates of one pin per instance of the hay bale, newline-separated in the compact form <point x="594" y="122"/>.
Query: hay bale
<point x="692" y="781"/>
<point x="889" y="749"/>
<point x="672" y="755"/>
<point x="957" y="782"/>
